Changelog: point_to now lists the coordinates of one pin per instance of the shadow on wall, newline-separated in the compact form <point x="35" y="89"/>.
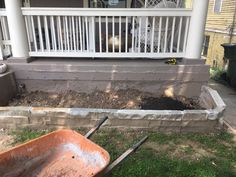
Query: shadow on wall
<point x="7" y="87"/>
<point x="90" y="75"/>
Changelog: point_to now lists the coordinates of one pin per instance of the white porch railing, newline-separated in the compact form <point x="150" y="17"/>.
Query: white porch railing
<point x="82" y="32"/>
<point x="4" y="35"/>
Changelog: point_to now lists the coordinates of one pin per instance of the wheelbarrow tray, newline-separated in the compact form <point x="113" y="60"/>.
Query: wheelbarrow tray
<point x="60" y="153"/>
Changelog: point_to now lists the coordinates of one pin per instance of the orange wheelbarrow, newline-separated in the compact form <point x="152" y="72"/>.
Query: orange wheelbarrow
<point x="60" y="153"/>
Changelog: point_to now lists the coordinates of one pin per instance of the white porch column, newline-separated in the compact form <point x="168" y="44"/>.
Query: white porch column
<point x="196" y="29"/>
<point x="17" y="29"/>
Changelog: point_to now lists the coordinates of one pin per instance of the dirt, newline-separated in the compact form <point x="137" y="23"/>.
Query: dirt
<point x="5" y="140"/>
<point x="121" y="99"/>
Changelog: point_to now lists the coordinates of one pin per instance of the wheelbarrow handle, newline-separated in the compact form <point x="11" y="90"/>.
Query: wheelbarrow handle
<point x="124" y="156"/>
<point x="96" y="127"/>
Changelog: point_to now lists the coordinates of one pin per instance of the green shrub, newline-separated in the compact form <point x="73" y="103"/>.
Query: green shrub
<point x="217" y="74"/>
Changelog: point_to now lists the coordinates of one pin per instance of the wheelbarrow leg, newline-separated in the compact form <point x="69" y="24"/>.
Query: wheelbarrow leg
<point x="96" y="127"/>
<point x="124" y="156"/>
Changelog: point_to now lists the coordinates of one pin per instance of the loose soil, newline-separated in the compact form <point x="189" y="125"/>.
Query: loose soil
<point x="6" y="141"/>
<point x="122" y="99"/>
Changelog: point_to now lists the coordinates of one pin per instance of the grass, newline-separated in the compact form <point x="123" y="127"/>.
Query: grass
<point x="24" y="135"/>
<point x="164" y="155"/>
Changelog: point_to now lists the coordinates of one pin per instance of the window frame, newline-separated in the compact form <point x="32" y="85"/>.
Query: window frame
<point x="220" y="8"/>
<point x="206" y="45"/>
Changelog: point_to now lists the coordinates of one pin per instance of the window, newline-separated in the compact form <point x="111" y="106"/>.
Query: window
<point x="205" y="45"/>
<point x="217" y="6"/>
<point x="215" y="63"/>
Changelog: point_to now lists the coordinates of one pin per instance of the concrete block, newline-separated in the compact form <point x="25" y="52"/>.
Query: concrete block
<point x="20" y="60"/>
<point x="38" y="120"/>
<point x="212" y="114"/>
<point x="153" y="116"/>
<point x="76" y="122"/>
<point x="171" y="115"/>
<point x="129" y="123"/>
<point x="5" y="120"/>
<point x="15" y="111"/>
<point x="13" y="122"/>
<point x="150" y="75"/>
<point x="200" y="123"/>
<point x="173" y="129"/>
<point x="169" y="123"/>
<point x="38" y="127"/>
<point x="206" y="100"/>
<point x="195" y="115"/>
<point x="20" y="120"/>
<point x="57" y="112"/>
<point x="154" y="124"/>
<point x="7" y="87"/>
<point x="201" y="126"/>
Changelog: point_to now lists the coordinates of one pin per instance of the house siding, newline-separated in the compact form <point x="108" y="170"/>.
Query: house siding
<point x="224" y="19"/>
<point x="216" y="51"/>
<point x="218" y="28"/>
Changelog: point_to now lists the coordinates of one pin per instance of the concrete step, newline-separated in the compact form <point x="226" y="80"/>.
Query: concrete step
<point x="111" y="68"/>
<point x="67" y="65"/>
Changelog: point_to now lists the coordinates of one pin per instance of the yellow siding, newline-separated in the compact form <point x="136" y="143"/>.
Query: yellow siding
<point x="215" y="51"/>
<point x="224" y="19"/>
<point x="220" y="23"/>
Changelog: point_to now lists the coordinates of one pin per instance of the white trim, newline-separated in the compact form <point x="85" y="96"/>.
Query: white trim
<point x="197" y="29"/>
<point x="6" y="42"/>
<point x="17" y="29"/>
<point x="218" y="31"/>
<point x="106" y="55"/>
<point x="108" y="12"/>
<point x="3" y="12"/>
<point x="204" y="57"/>
<point x="89" y="15"/>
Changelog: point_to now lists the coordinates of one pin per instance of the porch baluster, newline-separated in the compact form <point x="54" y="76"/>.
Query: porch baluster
<point x="179" y="35"/>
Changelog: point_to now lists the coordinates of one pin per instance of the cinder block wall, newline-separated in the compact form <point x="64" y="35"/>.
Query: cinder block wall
<point x="88" y="75"/>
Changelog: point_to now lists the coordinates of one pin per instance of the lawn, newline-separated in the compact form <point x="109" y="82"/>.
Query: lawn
<point x="163" y="155"/>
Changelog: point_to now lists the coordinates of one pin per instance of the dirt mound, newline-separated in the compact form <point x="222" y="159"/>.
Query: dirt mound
<point x="121" y="99"/>
<point x="165" y="103"/>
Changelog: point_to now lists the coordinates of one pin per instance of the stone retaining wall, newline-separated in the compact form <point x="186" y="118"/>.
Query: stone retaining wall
<point x="167" y="121"/>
